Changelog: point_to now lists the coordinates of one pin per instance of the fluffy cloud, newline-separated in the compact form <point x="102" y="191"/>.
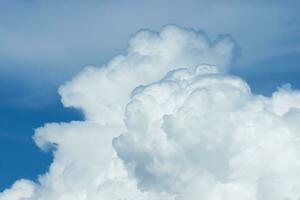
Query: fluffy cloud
<point x="102" y="93"/>
<point x="199" y="134"/>
<point x="164" y="121"/>
<point x="21" y="189"/>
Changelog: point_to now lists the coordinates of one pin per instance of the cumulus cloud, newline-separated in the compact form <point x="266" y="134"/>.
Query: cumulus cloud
<point x="21" y="189"/>
<point x="149" y="57"/>
<point x="202" y="135"/>
<point x="165" y="121"/>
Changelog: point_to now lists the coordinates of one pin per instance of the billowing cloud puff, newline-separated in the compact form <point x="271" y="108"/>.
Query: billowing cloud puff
<point x="21" y="189"/>
<point x="199" y="134"/>
<point x="102" y="93"/>
<point x="165" y="122"/>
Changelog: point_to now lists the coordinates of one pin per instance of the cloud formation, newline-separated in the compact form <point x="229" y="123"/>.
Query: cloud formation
<point x="203" y="135"/>
<point x="165" y="121"/>
<point x="149" y="57"/>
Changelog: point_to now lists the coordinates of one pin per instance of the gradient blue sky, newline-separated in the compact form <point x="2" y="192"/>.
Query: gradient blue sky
<point x="45" y="42"/>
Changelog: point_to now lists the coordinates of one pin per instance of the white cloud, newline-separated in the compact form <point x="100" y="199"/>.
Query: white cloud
<point x="149" y="57"/>
<point x="205" y="136"/>
<point x="21" y="189"/>
<point x="163" y="123"/>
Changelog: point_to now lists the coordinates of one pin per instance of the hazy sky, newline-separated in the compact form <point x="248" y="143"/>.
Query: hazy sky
<point x="45" y="43"/>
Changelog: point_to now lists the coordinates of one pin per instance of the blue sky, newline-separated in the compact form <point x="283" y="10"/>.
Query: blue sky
<point x="45" y="43"/>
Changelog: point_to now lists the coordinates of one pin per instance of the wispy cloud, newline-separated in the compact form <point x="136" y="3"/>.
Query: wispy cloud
<point x="44" y="43"/>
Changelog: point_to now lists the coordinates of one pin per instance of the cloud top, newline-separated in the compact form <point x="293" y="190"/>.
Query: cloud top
<point x="150" y="55"/>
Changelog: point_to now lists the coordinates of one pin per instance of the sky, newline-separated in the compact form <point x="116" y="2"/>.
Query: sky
<point x="44" y="44"/>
